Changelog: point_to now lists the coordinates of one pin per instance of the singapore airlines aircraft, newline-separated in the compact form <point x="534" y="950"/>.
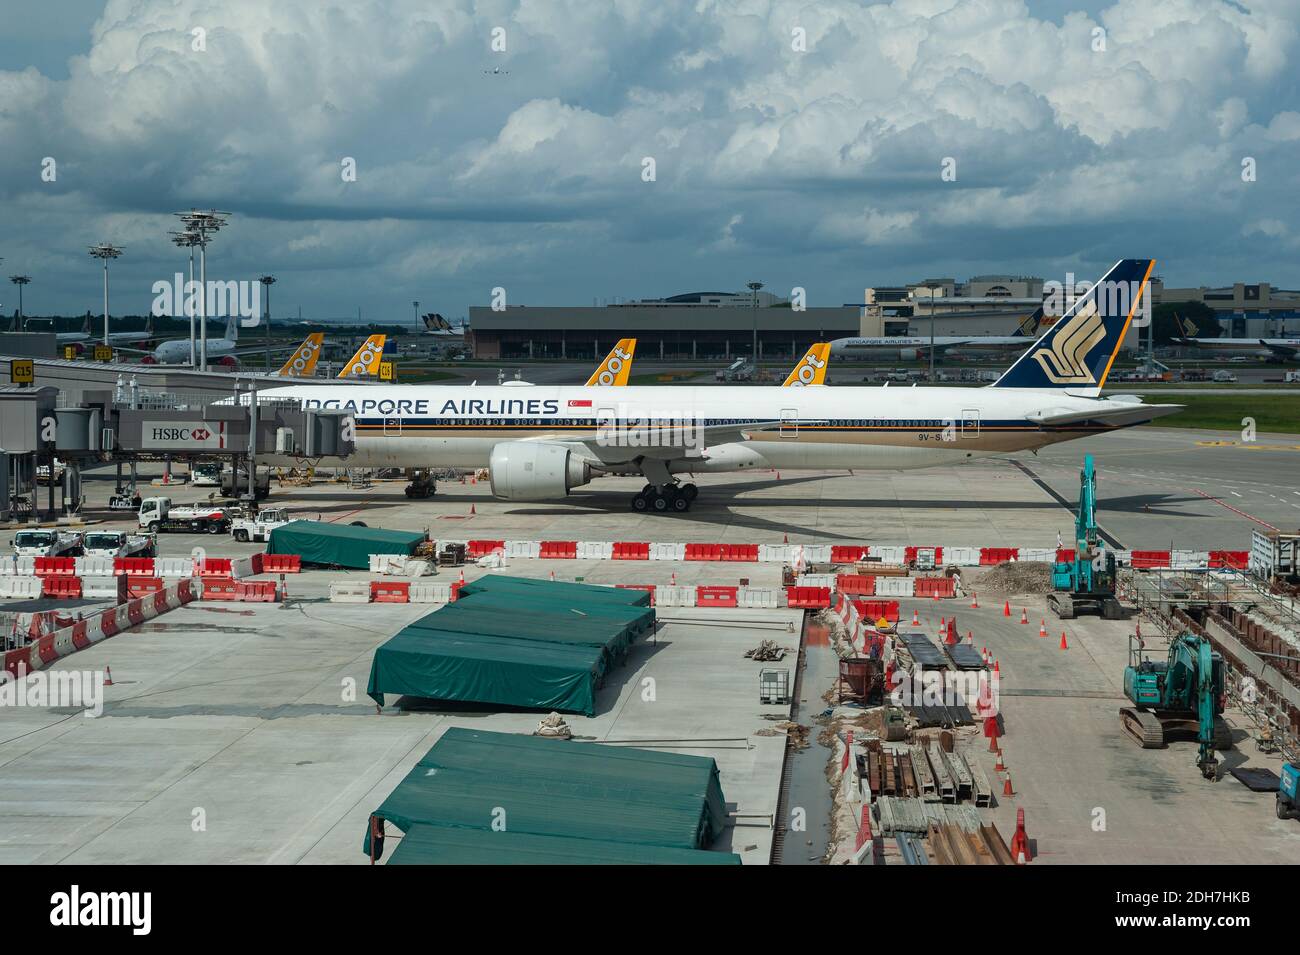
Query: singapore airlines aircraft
<point x="542" y="444"/>
<point x="916" y="347"/>
<point x="1270" y="349"/>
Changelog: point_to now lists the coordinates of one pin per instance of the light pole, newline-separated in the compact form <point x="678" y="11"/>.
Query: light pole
<point x="267" y="281"/>
<point x="416" y="306"/>
<point x="930" y="289"/>
<point x="753" y="291"/>
<point x="104" y="252"/>
<point x="20" y="281"/>
<point x="204" y="225"/>
<point x="188" y="240"/>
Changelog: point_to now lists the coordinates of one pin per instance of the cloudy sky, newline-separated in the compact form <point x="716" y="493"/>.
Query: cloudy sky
<point x="797" y="143"/>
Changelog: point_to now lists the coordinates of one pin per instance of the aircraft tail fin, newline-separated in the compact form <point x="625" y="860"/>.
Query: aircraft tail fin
<point x="232" y="328"/>
<point x="1186" y="327"/>
<point x="1030" y="324"/>
<point x="302" y="363"/>
<point x="1076" y="353"/>
<point x="616" y="367"/>
<point x="811" y="369"/>
<point x="366" y="361"/>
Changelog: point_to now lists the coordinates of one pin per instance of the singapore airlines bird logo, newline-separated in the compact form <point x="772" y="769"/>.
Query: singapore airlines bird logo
<point x="1063" y="359"/>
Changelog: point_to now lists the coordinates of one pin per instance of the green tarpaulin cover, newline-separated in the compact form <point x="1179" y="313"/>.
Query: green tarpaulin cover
<point x="479" y="668"/>
<point x="443" y="845"/>
<point x="340" y="545"/>
<point x="540" y="617"/>
<point x="553" y="801"/>
<point x="544" y="646"/>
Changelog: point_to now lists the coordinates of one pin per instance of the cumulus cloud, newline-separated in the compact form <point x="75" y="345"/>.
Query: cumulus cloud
<point x="786" y="138"/>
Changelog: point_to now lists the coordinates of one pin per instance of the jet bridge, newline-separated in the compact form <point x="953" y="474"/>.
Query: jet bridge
<point x="45" y="441"/>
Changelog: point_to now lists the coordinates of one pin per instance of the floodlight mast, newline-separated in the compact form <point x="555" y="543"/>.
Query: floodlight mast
<point x="267" y="281"/>
<point x="204" y="225"/>
<point x="188" y="240"/>
<point x="105" y="252"/>
<point x="20" y="281"/>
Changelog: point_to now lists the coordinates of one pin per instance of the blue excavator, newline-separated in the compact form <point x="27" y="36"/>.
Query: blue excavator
<point x="1087" y="582"/>
<point x="1182" y="693"/>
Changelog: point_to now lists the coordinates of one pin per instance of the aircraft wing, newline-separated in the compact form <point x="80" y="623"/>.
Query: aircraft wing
<point x="1118" y="413"/>
<point x="653" y="441"/>
<point x="1286" y="352"/>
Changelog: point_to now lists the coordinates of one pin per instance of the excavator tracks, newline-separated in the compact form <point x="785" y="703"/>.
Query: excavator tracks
<point x="1222" y="735"/>
<point x="1142" y="727"/>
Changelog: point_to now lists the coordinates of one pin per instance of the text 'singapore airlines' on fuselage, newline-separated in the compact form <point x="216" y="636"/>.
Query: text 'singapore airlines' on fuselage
<point x="542" y="444"/>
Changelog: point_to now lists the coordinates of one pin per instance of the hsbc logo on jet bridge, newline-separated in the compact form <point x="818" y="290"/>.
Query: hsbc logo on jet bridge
<point x="181" y="435"/>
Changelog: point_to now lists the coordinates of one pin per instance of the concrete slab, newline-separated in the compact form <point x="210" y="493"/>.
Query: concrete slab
<point x="241" y="733"/>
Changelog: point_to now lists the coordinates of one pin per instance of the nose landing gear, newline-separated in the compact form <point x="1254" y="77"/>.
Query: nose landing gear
<point x="666" y="497"/>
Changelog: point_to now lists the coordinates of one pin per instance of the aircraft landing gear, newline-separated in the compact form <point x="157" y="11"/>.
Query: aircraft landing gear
<point x="676" y="498"/>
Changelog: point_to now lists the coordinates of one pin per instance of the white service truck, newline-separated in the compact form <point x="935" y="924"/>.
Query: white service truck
<point x="258" y="528"/>
<point x="158" y="514"/>
<point x="119" y="544"/>
<point x="46" y="544"/>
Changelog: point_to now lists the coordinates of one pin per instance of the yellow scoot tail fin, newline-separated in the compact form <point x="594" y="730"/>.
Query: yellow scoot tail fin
<point x="616" y="367"/>
<point x="366" y="360"/>
<point x="811" y="369"/>
<point x="302" y="363"/>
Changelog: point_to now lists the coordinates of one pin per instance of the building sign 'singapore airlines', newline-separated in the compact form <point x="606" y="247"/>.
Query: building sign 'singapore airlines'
<point x="457" y="407"/>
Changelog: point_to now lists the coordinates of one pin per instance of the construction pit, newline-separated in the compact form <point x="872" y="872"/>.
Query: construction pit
<point x="241" y="732"/>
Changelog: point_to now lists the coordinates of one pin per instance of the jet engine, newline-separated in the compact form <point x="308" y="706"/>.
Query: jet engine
<point x="909" y="354"/>
<point x="528" y="471"/>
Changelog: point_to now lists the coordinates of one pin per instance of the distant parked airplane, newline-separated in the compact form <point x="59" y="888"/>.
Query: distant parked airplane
<point x="1271" y="349"/>
<point x="915" y="347"/>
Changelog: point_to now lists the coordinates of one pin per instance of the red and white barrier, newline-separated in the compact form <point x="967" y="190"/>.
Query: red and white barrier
<point x="802" y="555"/>
<point x="90" y="630"/>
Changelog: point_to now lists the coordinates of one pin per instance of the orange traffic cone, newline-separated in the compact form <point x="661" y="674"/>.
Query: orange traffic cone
<point x="943" y="626"/>
<point x="1006" y="609"/>
<point x="108" y="676"/>
<point x="1064" y="645"/>
<point x="1006" y="787"/>
<point x="785" y="538"/>
<point x="1020" y="841"/>
<point x="970" y="639"/>
<point x="999" y="766"/>
<point x="1042" y="628"/>
<point x="471" y="509"/>
<point x="995" y="668"/>
<point x="974" y="601"/>
<point x="916" y="620"/>
<point x="552" y="576"/>
<point x="1024" y="615"/>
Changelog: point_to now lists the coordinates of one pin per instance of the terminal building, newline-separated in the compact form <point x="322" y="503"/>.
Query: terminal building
<point x="712" y="326"/>
<point x="1245" y="310"/>
<point x="720" y="326"/>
